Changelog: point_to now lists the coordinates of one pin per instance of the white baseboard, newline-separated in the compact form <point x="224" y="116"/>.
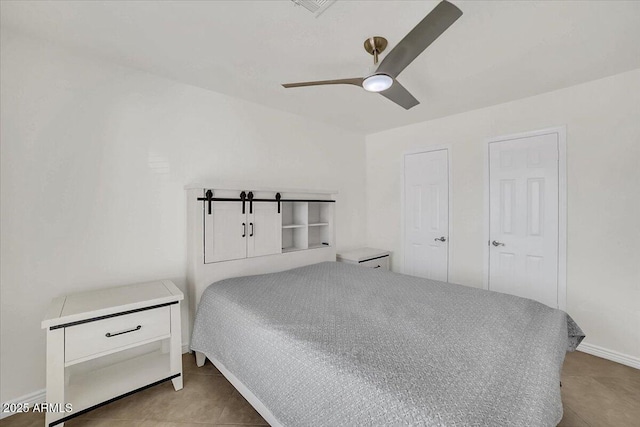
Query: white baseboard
<point x="614" y="356"/>
<point x="30" y="399"/>
<point x="40" y="395"/>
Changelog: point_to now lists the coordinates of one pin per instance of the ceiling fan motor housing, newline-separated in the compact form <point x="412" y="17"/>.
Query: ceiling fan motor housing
<point x="374" y="46"/>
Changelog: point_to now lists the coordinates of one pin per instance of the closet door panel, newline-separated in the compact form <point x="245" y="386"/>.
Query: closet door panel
<point x="264" y="230"/>
<point x="225" y="232"/>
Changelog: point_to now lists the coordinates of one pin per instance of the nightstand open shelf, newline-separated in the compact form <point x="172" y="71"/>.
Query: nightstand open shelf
<point x="117" y="379"/>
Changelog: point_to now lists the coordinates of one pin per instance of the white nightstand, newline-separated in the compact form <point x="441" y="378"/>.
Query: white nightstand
<point x="366" y="257"/>
<point x="87" y="326"/>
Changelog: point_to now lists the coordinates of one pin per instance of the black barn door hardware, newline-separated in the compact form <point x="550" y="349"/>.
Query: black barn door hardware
<point x="209" y="198"/>
<point x="278" y="199"/>
<point x="307" y="200"/>
<point x="244" y="196"/>
<point x="250" y="197"/>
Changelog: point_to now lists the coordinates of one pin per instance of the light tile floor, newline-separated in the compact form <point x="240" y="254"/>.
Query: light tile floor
<point x="595" y="392"/>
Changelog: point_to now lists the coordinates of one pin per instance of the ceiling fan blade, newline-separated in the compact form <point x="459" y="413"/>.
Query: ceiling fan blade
<point x="418" y="39"/>
<point x="355" y="81"/>
<point x="401" y="96"/>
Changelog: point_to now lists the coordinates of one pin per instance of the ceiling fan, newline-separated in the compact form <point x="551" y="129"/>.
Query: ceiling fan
<point x="383" y="79"/>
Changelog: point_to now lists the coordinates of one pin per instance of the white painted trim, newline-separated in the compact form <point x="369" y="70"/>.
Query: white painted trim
<point x="254" y="186"/>
<point x="562" y="217"/>
<point x="561" y="131"/>
<point x="30" y="399"/>
<point x="614" y="356"/>
<point x="485" y="217"/>
<point x="449" y="149"/>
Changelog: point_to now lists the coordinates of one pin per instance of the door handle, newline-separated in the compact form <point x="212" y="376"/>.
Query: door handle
<point x="244" y="229"/>
<point x="251" y="234"/>
<point x="496" y="244"/>
<point x="441" y="239"/>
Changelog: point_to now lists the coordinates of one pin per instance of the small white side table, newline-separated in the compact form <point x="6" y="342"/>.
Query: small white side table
<point x="90" y="325"/>
<point x="366" y="257"/>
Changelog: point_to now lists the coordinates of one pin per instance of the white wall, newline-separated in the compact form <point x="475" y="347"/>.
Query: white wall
<point x="603" y="157"/>
<point x="94" y="160"/>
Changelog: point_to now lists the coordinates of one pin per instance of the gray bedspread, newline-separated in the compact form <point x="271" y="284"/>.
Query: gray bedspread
<point x="334" y="344"/>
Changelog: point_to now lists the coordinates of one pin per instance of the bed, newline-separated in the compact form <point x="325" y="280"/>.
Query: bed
<point x="334" y="344"/>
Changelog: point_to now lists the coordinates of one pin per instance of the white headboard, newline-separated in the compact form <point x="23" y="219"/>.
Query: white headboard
<point x="309" y="225"/>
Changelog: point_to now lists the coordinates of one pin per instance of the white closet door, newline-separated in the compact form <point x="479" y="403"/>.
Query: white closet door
<point x="523" y="217"/>
<point x="426" y="209"/>
<point x="226" y="230"/>
<point x="264" y="230"/>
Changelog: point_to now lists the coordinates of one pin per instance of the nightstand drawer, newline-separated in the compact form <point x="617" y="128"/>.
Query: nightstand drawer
<point x="111" y="334"/>
<point x="382" y="263"/>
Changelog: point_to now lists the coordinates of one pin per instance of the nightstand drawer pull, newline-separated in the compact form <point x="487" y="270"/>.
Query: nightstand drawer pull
<point x="379" y="263"/>
<point x="109" y="334"/>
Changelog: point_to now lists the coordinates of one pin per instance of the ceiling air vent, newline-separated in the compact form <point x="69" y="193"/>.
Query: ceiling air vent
<point x="317" y="7"/>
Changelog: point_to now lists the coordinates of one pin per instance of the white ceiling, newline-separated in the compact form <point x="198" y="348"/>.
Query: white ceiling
<point x="496" y="52"/>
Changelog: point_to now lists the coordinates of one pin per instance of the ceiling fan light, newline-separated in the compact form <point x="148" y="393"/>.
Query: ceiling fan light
<point x="377" y="83"/>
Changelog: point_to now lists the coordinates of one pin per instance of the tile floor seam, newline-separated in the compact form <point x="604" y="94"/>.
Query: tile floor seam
<point x="627" y="398"/>
<point x="577" y="414"/>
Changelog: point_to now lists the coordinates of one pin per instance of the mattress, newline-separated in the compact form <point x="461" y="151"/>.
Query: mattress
<point x="334" y="344"/>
